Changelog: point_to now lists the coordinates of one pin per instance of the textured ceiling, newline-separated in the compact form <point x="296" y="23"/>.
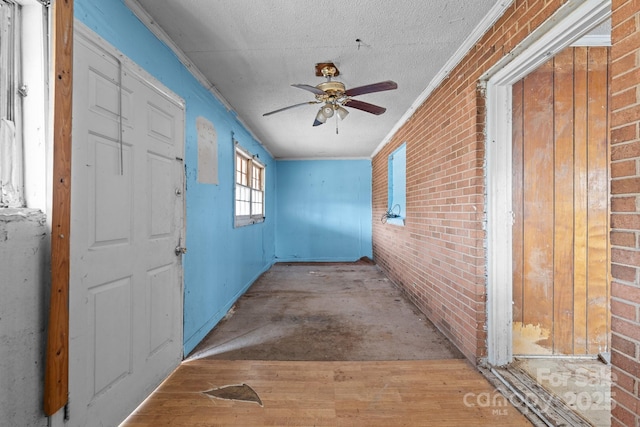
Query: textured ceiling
<point x="253" y="50"/>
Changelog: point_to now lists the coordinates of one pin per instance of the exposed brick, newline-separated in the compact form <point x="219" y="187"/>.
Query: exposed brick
<point x="625" y="77"/>
<point x="629" y="365"/>
<point x="623" y="273"/>
<point x="621" y="416"/>
<point x="624" y="99"/>
<point x="624" y="29"/>
<point x="625" y="257"/>
<point x="625" y="221"/>
<point x="623" y="204"/>
<point x="625" y="151"/>
<point x="627" y="44"/>
<point x="623" y="380"/>
<point x="630" y="114"/>
<point x="619" y="68"/>
<point x="623" y="169"/>
<point x="624" y="345"/>
<point x="625" y="186"/>
<point x="626" y="292"/>
<point x="624" y="133"/>
<point x="619" y="238"/>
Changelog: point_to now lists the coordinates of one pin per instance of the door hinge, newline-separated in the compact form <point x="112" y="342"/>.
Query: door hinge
<point x="45" y="3"/>
<point x="67" y="412"/>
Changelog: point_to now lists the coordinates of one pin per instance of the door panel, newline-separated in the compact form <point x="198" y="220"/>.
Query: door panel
<point x="560" y="205"/>
<point x="127" y="218"/>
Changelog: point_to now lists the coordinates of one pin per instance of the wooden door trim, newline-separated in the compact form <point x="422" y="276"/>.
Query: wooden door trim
<point x="56" y="383"/>
<point x="572" y="20"/>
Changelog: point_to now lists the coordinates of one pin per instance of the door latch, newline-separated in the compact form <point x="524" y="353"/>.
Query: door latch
<point x="179" y="250"/>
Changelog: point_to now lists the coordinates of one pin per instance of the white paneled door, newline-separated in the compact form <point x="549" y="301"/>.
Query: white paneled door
<point x="127" y="222"/>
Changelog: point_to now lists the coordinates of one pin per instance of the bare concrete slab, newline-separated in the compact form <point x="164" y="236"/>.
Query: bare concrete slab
<point x="337" y="311"/>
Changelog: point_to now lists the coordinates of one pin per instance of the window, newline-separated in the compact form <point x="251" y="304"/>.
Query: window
<point x="249" y="191"/>
<point x="397" y="186"/>
<point x="23" y="104"/>
<point x="11" y="187"/>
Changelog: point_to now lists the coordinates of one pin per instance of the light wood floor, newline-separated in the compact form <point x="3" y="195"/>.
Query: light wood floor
<point x="303" y="393"/>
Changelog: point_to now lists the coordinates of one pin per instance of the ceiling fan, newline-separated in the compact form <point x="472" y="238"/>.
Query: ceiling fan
<point x="334" y="96"/>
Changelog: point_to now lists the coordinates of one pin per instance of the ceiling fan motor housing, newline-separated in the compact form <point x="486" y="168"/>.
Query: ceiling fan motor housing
<point x="330" y="89"/>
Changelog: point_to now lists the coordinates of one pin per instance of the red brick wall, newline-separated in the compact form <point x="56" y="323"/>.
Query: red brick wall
<point x="625" y="211"/>
<point x="438" y="257"/>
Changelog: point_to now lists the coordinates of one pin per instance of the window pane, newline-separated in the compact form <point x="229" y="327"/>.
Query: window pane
<point x="242" y="208"/>
<point x="242" y="193"/>
<point x="245" y="173"/>
<point x="242" y="170"/>
<point x="256" y="203"/>
<point x="397" y="194"/>
<point x="243" y="200"/>
<point x="11" y="160"/>
<point x="7" y="58"/>
<point x="256" y="177"/>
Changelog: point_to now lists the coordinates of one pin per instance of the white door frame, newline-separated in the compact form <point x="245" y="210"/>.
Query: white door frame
<point x="568" y="24"/>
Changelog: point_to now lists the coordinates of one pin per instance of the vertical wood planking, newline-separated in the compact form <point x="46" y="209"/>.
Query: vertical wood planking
<point x="564" y="184"/>
<point x="597" y="270"/>
<point x="580" y="202"/>
<point x="563" y="200"/>
<point x="517" y="252"/>
<point x="56" y="387"/>
<point x="538" y="206"/>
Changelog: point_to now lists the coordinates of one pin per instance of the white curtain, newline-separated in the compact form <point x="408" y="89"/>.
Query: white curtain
<point x="10" y="166"/>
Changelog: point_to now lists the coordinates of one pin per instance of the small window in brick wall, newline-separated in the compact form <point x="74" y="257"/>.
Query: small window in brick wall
<point x="397" y="182"/>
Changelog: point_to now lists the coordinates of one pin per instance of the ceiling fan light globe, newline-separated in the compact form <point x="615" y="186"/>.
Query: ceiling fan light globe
<point x="327" y="111"/>
<point x="321" y="117"/>
<point x="342" y="112"/>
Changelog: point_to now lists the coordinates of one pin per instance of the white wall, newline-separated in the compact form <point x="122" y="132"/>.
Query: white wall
<point x="24" y="279"/>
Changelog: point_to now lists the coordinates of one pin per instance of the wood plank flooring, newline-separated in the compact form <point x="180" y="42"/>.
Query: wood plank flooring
<point x="305" y="393"/>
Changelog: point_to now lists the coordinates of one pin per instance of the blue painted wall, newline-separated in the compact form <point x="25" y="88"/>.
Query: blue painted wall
<point x="323" y="210"/>
<point x="222" y="262"/>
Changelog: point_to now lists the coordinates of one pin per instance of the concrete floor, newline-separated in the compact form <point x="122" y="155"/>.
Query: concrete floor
<point x="324" y="312"/>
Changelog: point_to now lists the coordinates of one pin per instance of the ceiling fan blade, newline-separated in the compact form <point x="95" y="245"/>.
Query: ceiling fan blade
<point x="365" y="106"/>
<point x="289" y="107"/>
<point x="310" y="88"/>
<point x="375" y="87"/>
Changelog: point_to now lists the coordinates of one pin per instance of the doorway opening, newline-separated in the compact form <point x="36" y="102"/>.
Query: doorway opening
<point x="547" y="214"/>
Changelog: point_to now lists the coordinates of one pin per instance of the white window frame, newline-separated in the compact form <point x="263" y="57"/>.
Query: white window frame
<point x="24" y="153"/>
<point x="249" y="190"/>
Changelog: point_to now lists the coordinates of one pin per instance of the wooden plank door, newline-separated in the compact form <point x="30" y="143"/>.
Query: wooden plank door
<point x="126" y="221"/>
<point x="560" y="204"/>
